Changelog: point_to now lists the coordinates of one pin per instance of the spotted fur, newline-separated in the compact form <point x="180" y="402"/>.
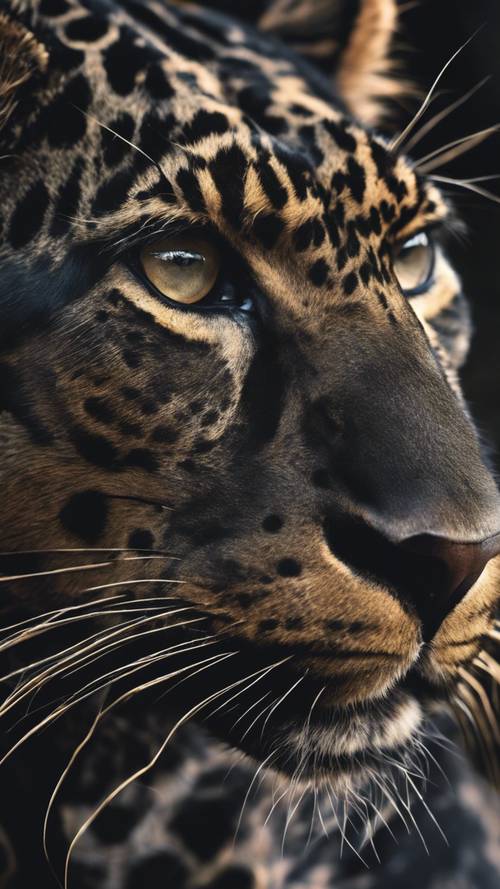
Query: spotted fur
<point x="264" y="466"/>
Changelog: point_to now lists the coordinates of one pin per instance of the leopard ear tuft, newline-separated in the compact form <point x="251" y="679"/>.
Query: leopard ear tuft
<point x="22" y="61"/>
<point x="364" y="73"/>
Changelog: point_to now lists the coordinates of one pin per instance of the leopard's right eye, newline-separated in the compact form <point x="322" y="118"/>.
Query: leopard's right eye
<point x="184" y="268"/>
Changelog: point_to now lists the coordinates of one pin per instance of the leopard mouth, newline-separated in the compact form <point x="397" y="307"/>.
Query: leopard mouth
<point x="283" y="719"/>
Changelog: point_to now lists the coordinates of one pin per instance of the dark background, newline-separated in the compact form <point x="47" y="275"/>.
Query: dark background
<point x="431" y="31"/>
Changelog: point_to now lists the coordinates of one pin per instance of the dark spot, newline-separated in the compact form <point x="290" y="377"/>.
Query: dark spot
<point x="149" y="407"/>
<point x="275" y="191"/>
<point x="210" y="418"/>
<point x="267" y="228"/>
<point x="318" y="273"/>
<point x="294" y="623"/>
<point x="142" y="458"/>
<point x="122" y="62"/>
<point x="352" y="243"/>
<point x="189" y="185"/>
<point x="96" y="449"/>
<point x="131" y="359"/>
<point x="205" y="825"/>
<point x="130" y="429"/>
<point x="228" y="170"/>
<point x="63" y="56"/>
<point x="187" y="465"/>
<point x="113" y="193"/>
<point x="335" y="625"/>
<point x="163" y="869"/>
<point x="99" y="409"/>
<point x="388" y="211"/>
<point x="115" y="297"/>
<point x="289" y="568"/>
<point x="234" y="877"/>
<point x="85" y="515"/>
<point x="141" y="539"/>
<point x="164" y="434"/>
<point x="28" y="216"/>
<point x="268" y="625"/>
<point x="356" y="179"/>
<point x="365" y="273"/>
<point x="303" y="236"/>
<point x="205" y="123"/>
<point x="203" y="446"/>
<point x="114" y="147"/>
<point x="67" y="202"/>
<point x="244" y="599"/>
<point x="349" y="283"/>
<point x="272" y="523"/>
<point x="157" y="83"/>
<point x="338" y="132"/>
<point x="274" y="124"/>
<point x="338" y="182"/>
<point x="87" y="29"/>
<point x="130" y="393"/>
<point x="115" y="823"/>
<point x="64" y="119"/>
<point x="102" y="315"/>
<point x="54" y="8"/>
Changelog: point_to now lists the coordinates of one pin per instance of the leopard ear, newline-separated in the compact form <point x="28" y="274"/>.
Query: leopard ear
<point x="350" y="40"/>
<point x="23" y="60"/>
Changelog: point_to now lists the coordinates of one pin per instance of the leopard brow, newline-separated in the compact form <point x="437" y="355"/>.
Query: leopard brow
<point x="137" y="235"/>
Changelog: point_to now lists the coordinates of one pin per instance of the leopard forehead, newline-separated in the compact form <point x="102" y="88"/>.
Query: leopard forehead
<point x="184" y="115"/>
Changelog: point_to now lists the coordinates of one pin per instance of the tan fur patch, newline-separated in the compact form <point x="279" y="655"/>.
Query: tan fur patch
<point x="365" y="66"/>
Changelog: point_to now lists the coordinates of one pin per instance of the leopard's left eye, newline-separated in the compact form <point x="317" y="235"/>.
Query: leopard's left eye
<point x="414" y="264"/>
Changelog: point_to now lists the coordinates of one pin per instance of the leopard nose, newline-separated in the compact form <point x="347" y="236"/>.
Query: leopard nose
<point x="455" y="567"/>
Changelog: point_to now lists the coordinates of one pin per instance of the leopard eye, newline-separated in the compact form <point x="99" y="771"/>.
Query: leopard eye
<point x="414" y="264"/>
<point x="183" y="268"/>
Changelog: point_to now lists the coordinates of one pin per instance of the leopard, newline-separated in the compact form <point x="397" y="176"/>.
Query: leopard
<point x="250" y="532"/>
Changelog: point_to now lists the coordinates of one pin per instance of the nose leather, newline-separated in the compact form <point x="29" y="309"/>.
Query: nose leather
<point x="463" y="565"/>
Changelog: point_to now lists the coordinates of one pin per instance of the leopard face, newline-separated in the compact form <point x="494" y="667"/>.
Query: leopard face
<point x="230" y="353"/>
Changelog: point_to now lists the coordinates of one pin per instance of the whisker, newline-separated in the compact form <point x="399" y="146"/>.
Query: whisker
<point x="63" y="708"/>
<point x="73" y="568"/>
<point x="453" y="149"/>
<point x="146" y="768"/>
<point x="95" y="640"/>
<point x="441" y="115"/>
<point x="259" y="769"/>
<point x="461" y="183"/>
<point x="120" y="597"/>
<point x="396" y="143"/>
<point x="123" y="139"/>
<point x="104" y="586"/>
<point x="281" y="700"/>
<point x="260" y="675"/>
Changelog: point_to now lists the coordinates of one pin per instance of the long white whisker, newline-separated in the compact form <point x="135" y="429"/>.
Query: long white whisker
<point x="144" y="769"/>
<point x="399" y="140"/>
<point x="441" y="115"/>
<point x="463" y="144"/>
<point x="464" y="184"/>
